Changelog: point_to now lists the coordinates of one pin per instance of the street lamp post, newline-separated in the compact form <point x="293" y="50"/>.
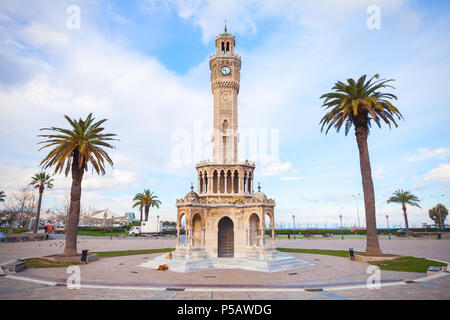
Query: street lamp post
<point x="112" y="223"/>
<point x="357" y="209"/>
<point x="342" y="231"/>
<point x="293" y="219"/>
<point x="389" y="234"/>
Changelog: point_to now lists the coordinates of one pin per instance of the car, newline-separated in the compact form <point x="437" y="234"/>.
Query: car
<point x="134" y="231"/>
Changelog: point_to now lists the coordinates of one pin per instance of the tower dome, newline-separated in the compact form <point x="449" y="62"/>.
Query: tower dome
<point x="192" y="195"/>
<point x="261" y="196"/>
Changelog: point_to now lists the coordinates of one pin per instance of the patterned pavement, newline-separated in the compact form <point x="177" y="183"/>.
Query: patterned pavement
<point x="122" y="278"/>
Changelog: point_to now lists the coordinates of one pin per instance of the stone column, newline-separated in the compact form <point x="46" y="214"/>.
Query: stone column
<point x="178" y="236"/>
<point x="261" y="238"/>
<point x="225" y="184"/>
<point x="273" y="236"/>
<point x="241" y="184"/>
<point x="203" y="237"/>
<point x="191" y="238"/>
<point x="248" y="237"/>
<point x="209" y="185"/>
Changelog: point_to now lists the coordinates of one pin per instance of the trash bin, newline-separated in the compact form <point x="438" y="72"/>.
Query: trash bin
<point x="289" y="236"/>
<point x="439" y="236"/>
<point x="84" y="255"/>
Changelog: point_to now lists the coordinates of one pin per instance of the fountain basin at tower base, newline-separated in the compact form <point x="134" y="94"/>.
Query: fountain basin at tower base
<point x="198" y="259"/>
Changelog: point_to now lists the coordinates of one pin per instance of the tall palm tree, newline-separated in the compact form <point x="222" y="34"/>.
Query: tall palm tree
<point x="2" y="196"/>
<point x="404" y="198"/>
<point x="72" y="150"/>
<point x="146" y="200"/>
<point x="357" y="103"/>
<point x="40" y="180"/>
<point x="138" y="203"/>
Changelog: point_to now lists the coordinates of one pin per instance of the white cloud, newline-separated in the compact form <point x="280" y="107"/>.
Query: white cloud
<point x="439" y="174"/>
<point x="39" y="34"/>
<point x="145" y="102"/>
<point x="419" y="186"/>
<point x="243" y="15"/>
<point x="378" y="173"/>
<point x="275" y="168"/>
<point x="291" y="178"/>
<point x="425" y="153"/>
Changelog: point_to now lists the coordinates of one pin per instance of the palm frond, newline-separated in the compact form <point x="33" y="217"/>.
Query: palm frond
<point x="83" y="140"/>
<point x="357" y="103"/>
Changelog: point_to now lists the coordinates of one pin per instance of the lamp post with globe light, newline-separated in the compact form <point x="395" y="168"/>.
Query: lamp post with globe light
<point x="112" y="224"/>
<point x="357" y="209"/>
<point x="387" y="219"/>
<point x="293" y="220"/>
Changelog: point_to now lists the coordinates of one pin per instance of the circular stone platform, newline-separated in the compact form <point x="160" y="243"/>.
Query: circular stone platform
<point x="324" y="271"/>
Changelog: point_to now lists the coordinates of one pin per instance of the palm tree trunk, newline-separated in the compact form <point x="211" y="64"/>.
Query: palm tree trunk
<point x="141" y="215"/>
<point x="38" y="212"/>
<point x="70" y="248"/>
<point x="147" y="208"/>
<point x="372" y="245"/>
<point x="406" y="220"/>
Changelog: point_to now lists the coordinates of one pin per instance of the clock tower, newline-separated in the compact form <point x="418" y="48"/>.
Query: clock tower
<point x="225" y="68"/>
<point x="224" y="222"/>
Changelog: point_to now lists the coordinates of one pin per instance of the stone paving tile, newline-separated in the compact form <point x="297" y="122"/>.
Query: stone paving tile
<point x="430" y="248"/>
<point x="13" y="250"/>
<point x="438" y="289"/>
<point x="435" y="289"/>
<point x="125" y="271"/>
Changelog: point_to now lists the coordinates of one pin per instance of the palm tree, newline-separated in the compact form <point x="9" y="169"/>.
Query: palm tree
<point x="404" y="197"/>
<point x="357" y="103"/>
<point x="146" y="200"/>
<point x="138" y="203"/>
<point x="2" y="196"/>
<point x="72" y="150"/>
<point x="40" y="180"/>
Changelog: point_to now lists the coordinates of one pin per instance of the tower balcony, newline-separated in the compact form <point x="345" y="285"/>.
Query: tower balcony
<point x="225" y="179"/>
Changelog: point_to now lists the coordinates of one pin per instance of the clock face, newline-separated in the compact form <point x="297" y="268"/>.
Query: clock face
<point x="225" y="70"/>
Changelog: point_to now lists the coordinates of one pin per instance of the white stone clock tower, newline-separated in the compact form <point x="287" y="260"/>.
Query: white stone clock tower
<point x="225" y="68"/>
<point x="225" y="220"/>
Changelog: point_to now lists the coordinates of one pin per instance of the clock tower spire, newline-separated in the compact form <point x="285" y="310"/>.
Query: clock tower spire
<point x="225" y="68"/>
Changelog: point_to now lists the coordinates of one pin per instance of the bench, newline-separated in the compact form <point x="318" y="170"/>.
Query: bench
<point x="10" y="238"/>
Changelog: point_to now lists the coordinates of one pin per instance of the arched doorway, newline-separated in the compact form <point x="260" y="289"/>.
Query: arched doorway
<point x="254" y="229"/>
<point x="197" y="230"/>
<point x="226" y="238"/>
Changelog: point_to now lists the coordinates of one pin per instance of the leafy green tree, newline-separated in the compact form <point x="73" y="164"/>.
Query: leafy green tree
<point x="404" y="198"/>
<point x="146" y="200"/>
<point x="72" y="150"/>
<point x="356" y="104"/>
<point x="438" y="214"/>
<point x="41" y="181"/>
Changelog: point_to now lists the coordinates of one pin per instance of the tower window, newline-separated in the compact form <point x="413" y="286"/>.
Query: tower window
<point x="228" y="47"/>
<point x="223" y="48"/>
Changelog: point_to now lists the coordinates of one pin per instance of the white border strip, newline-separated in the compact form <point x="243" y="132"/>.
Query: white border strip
<point x="26" y="279"/>
<point x="219" y="289"/>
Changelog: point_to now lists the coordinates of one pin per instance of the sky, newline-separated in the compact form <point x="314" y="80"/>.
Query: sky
<point x="144" y="66"/>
